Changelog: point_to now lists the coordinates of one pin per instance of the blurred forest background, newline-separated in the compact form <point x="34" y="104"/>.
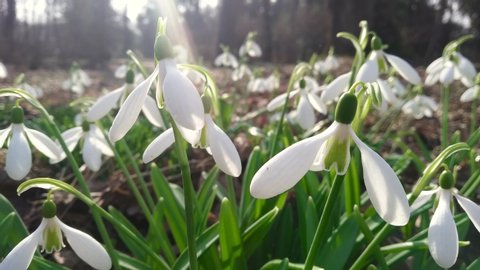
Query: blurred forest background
<point x="50" y="33"/>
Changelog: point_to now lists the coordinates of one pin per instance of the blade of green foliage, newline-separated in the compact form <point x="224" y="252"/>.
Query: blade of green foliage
<point x="136" y="250"/>
<point x="43" y="264"/>
<point x="230" y="238"/>
<point x="280" y="264"/>
<point x="174" y="213"/>
<point x="157" y="236"/>
<point x="253" y="164"/>
<point x="131" y="263"/>
<point x="256" y="231"/>
<point x="203" y="243"/>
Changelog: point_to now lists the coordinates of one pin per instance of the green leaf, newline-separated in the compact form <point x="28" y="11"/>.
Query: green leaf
<point x="206" y="197"/>
<point x="136" y="250"/>
<point x="127" y="262"/>
<point x="230" y="238"/>
<point x="256" y="231"/>
<point x="203" y="243"/>
<point x="254" y="163"/>
<point x="284" y="264"/>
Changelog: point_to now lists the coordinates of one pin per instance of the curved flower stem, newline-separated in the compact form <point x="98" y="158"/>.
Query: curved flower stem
<point x="444" y="122"/>
<point x="473" y="115"/>
<point x="320" y="233"/>
<point x="189" y="195"/>
<point x="374" y="244"/>
<point x="141" y="179"/>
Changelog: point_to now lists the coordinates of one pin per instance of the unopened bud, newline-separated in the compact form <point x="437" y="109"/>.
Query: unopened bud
<point x="346" y="108"/>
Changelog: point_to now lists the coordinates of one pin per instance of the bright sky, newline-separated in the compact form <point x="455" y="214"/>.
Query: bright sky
<point x="26" y="9"/>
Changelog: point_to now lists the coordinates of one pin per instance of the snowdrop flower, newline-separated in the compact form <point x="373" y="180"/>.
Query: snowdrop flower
<point x="174" y="89"/>
<point x="327" y="65"/>
<point x="211" y="137"/>
<point x="420" y="106"/>
<point x="472" y="93"/>
<point x="226" y="59"/>
<point x="3" y="71"/>
<point x="113" y="99"/>
<point x="442" y="232"/>
<point x="308" y="102"/>
<point x="121" y="73"/>
<point x="19" y="155"/>
<point x="250" y="47"/>
<point x="49" y="236"/>
<point x="77" y="81"/>
<point x="20" y="83"/>
<point x="241" y="71"/>
<point x="331" y="150"/>
<point x="94" y="145"/>
<point x="450" y="67"/>
<point x="336" y="87"/>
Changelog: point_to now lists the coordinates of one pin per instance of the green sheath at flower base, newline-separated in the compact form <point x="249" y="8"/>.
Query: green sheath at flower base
<point x="346" y="108"/>
<point x="130" y="77"/>
<point x="446" y="180"/>
<point x="17" y="115"/>
<point x="376" y="43"/>
<point x="85" y="126"/>
<point x="303" y="83"/>
<point x="49" y="209"/>
<point x="162" y="48"/>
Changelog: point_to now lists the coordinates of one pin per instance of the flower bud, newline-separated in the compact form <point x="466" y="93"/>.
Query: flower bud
<point x="446" y="180"/>
<point x="162" y="48"/>
<point x="130" y="76"/>
<point x="85" y="126"/>
<point x="376" y="43"/>
<point x="49" y="209"/>
<point x="17" y="115"/>
<point x="346" y="108"/>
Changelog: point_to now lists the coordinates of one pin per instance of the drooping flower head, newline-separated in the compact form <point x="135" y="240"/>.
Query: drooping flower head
<point x="473" y="92"/>
<point x="77" y="81"/>
<point x="420" y="106"/>
<point x="250" y="48"/>
<point x="173" y="90"/>
<point x="329" y="64"/>
<point x="331" y="150"/>
<point x="442" y="231"/>
<point x="226" y="58"/>
<point x="49" y="237"/>
<point x="19" y="155"/>
<point x="21" y="83"/>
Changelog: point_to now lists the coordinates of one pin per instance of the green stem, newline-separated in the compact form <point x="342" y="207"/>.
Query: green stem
<point x="141" y="179"/>
<point x="189" y="195"/>
<point x="374" y="244"/>
<point x="473" y="115"/>
<point x="444" y="121"/>
<point x="320" y="233"/>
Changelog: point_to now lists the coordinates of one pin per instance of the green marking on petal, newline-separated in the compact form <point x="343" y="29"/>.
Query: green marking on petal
<point x="337" y="154"/>
<point x="52" y="236"/>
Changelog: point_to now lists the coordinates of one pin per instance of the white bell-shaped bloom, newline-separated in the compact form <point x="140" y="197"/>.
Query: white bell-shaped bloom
<point x="420" y="106"/>
<point x="36" y="92"/>
<point x="19" y="155"/>
<point x="329" y="64"/>
<point x="77" y="81"/>
<point x="308" y="102"/>
<point x="49" y="236"/>
<point x="121" y="73"/>
<point x="250" y="48"/>
<point x="330" y="149"/>
<point x="388" y="93"/>
<point x="442" y="232"/>
<point x="94" y="145"/>
<point x="446" y="69"/>
<point x="181" y="98"/>
<point x="3" y="71"/>
<point x="470" y="94"/>
<point x="216" y="142"/>
<point x="262" y="85"/>
<point x="226" y="59"/>
<point x="241" y="71"/>
<point x="112" y="100"/>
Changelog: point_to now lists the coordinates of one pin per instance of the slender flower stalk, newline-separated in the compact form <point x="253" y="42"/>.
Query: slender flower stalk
<point x="444" y="122"/>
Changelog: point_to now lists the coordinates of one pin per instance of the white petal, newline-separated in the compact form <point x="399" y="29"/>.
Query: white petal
<point x="466" y="67"/>
<point x="469" y="95"/>
<point x="92" y="156"/>
<point x="43" y="143"/>
<point x="128" y="113"/>
<point x="151" y="112"/>
<point x="336" y="87"/>
<point x="368" y="72"/>
<point x="387" y="92"/>
<point x="403" y="68"/>
<point x="446" y="76"/>
<point x="98" y="138"/>
<point x="432" y="78"/>
<point x="84" y="78"/>
<point x="435" y="66"/>
<point x="157" y="146"/>
<point x="305" y="115"/>
<point x="471" y="208"/>
<point x="279" y="100"/>
<point x="21" y="256"/>
<point x="383" y="186"/>
<point x="422" y="198"/>
<point x="4" y="135"/>
<point x="285" y="169"/>
<point x="104" y="104"/>
<point x="223" y="150"/>
<point x="442" y="233"/>
<point x="121" y="71"/>
<point x="71" y="138"/>
<point x="19" y="156"/>
<point x="86" y="247"/>
<point x="317" y="103"/>
<point x="191" y="136"/>
<point x="3" y="71"/>
<point x="182" y="100"/>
